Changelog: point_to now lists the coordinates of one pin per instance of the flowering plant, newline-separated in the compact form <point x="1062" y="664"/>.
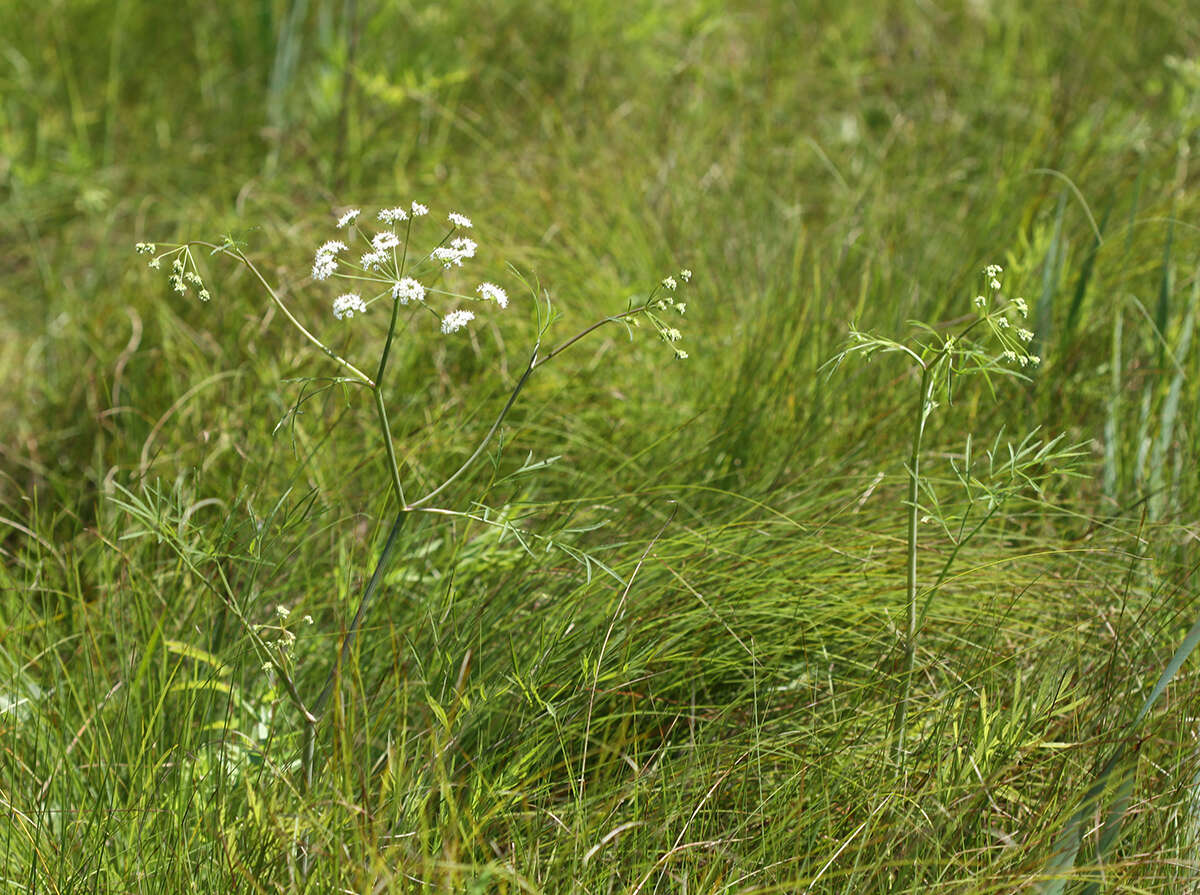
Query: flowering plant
<point x="390" y="271"/>
<point x="992" y="342"/>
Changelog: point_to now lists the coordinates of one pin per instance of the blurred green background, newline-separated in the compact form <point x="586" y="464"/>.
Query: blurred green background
<point x="814" y="164"/>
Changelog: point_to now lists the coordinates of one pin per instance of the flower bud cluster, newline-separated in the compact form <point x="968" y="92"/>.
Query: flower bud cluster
<point x="1014" y="340"/>
<point x="665" y="299"/>
<point x="184" y="275"/>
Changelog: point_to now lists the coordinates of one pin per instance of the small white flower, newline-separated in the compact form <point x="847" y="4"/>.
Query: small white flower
<point x="178" y="285"/>
<point x="347" y="305"/>
<point x="456" y="320"/>
<point x="154" y="263"/>
<point x="460" y="220"/>
<point x="1025" y="335"/>
<point x="418" y="209"/>
<point x="324" y="267"/>
<point x="992" y="271"/>
<point x="381" y="242"/>
<point x="308" y="619"/>
<point x="1009" y="356"/>
<point x="680" y="354"/>
<point x="1002" y="322"/>
<point x="347" y="218"/>
<point x="670" y="283"/>
<point x="454" y="253"/>
<point x="325" y="262"/>
<point x="145" y="248"/>
<point x="681" y="308"/>
<point x="995" y="284"/>
<point x="492" y="292"/>
<point x="203" y="295"/>
<point x="1022" y="307"/>
<point x="282" y="611"/>
<point x="685" y="275"/>
<point x="980" y="301"/>
<point x="393" y="215"/>
<point x="372" y="260"/>
<point x="1034" y="359"/>
<point x="672" y="335"/>
<point x="407" y="290"/>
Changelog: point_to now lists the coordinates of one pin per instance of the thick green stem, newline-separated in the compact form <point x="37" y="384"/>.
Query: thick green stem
<point x="389" y="447"/>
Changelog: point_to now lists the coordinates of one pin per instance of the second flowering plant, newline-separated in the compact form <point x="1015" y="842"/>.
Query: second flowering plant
<point x="990" y="342"/>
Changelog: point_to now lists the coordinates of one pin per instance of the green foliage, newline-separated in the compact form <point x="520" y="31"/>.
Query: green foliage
<point x="709" y="708"/>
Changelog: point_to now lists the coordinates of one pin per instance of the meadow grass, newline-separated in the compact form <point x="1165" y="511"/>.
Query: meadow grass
<point x="719" y="714"/>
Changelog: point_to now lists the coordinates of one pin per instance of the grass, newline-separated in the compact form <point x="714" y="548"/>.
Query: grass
<point x="722" y="719"/>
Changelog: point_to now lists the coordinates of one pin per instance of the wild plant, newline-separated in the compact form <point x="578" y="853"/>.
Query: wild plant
<point x="423" y="292"/>
<point x="992" y="342"/>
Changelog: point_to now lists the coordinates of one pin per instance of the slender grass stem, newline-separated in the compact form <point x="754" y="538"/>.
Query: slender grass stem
<point x="910" y="641"/>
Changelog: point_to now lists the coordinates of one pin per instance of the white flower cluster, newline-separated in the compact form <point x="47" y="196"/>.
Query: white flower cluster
<point x="454" y="254"/>
<point x="325" y="263"/>
<point x="407" y="290"/>
<point x="456" y="320"/>
<point x="348" y="305"/>
<point x="1014" y="349"/>
<point x="381" y="242"/>
<point x="492" y="292"/>
<point x="400" y="272"/>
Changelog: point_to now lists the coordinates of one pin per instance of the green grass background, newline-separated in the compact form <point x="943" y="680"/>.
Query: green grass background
<point x="508" y="724"/>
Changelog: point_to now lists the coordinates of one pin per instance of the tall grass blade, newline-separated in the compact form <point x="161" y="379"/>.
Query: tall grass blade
<point x="1162" y="312"/>
<point x="1112" y="419"/>
<point x="1160" y="499"/>
<point x="1051" y="269"/>
<point x="1085" y="276"/>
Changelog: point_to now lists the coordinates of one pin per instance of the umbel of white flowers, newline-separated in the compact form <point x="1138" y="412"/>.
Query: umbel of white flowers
<point x="392" y="264"/>
<point x="393" y="267"/>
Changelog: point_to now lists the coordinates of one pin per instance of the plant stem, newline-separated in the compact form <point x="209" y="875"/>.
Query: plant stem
<point x="512" y="399"/>
<point x="381" y="407"/>
<point x="389" y="447"/>
<point x="914" y="475"/>
<point x="313" y="716"/>
<point x="237" y="254"/>
<point x="538" y="361"/>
